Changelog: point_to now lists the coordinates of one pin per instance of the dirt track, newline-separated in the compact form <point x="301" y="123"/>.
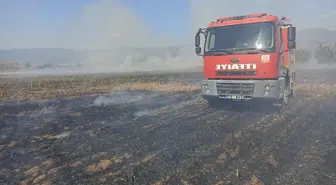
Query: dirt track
<point x="143" y="137"/>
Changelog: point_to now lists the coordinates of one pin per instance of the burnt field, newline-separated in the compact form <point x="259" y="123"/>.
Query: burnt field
<point x="168" y="135"/>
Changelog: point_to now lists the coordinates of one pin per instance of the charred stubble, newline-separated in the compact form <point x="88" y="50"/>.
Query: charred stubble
<point x="169" y="138"/>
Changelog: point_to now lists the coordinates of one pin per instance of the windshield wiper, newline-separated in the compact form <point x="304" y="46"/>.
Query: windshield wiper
<point x="256" y="50"/>
<point x="220" y="52"/>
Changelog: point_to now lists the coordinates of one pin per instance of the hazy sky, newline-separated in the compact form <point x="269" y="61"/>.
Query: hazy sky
<point x="84" y="24"/>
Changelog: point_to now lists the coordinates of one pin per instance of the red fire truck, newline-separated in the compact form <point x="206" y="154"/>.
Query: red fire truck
<point x="248" y="57"/>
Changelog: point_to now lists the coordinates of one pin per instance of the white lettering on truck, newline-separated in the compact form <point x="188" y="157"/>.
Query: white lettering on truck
<point x="235" y="66"/>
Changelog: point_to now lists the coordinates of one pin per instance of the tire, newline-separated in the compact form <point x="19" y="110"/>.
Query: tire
<point x="285" y="98"/>
<point x="213" y="102"/>
<point x="293" y="93"/>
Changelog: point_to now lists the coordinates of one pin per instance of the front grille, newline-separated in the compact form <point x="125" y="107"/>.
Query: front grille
<point x="236" y="73"/>
<point x="244" y="89"/>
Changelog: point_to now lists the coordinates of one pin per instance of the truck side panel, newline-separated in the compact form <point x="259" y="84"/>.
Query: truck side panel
<point x="285" y="46"/>
<point x="288" y="55"/>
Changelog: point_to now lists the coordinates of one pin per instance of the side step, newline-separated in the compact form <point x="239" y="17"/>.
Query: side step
<point x="277" y="104"/>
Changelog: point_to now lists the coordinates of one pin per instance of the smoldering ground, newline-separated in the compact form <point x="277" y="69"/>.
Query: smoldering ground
<point x="143" y="102"/>
<point x="169" y="137"/>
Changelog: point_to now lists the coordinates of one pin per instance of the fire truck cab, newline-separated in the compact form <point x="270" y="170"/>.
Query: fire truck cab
<point x="248" y="57"/>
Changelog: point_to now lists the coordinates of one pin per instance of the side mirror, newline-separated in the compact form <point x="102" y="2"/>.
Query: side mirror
<point x="197" y="39"/>
<point x="198" y="50"/>
<point x="291" y="45"/>
<point x="291" y="34"/>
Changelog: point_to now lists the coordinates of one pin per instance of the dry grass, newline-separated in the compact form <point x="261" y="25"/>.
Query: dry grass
<point x="50" y="87"/>
<point x="170" y="87"/>
<point x="316" y="91"/>
<point x="77" y="86"/>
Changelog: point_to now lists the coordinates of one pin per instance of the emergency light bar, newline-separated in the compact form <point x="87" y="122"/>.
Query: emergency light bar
<point x="283" y="19"/>
<point x="242" y="17"/>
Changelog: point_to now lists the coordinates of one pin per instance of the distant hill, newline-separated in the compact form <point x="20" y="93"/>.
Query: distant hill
<point x="56" y="55"/>
<point x="41" y="55"/>
<point x="308" y="38"/>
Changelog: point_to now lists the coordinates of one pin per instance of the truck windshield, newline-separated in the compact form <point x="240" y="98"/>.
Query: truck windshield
<point x="241" y="37"/>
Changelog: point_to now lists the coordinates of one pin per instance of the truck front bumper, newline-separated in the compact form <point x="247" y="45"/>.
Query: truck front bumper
<point x="243" y="89"/>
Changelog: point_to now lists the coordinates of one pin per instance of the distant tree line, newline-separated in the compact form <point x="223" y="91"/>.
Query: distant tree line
<point x="9" y="66"/>
<point x="324" y="54"/>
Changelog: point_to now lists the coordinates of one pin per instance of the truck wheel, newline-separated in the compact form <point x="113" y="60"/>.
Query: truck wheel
<point x="285" y="98"/>
<point x="293" y="93"/>
<point x="281" y="102"/>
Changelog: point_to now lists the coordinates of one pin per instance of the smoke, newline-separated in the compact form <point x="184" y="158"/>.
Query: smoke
<point x="114" y="27"/>
<point x="122" y="97"/>
<point x="110" y="25"/>
<point x="111" y="38"/>
<point x="314" y="64"/>
<point x="143" y="103"/>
